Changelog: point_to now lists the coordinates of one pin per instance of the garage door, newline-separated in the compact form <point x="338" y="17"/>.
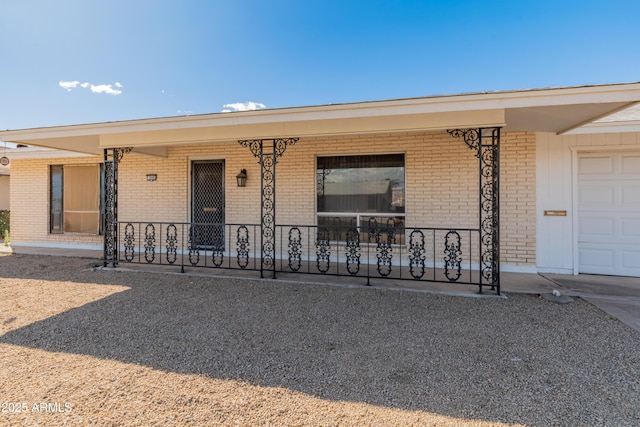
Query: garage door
<point x="609" y="213"/>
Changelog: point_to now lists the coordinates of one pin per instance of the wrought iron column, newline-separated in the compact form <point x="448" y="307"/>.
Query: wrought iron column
<point x="486" y="143"/>
<point x="112" y="157"/>
<point x="267" y="151"/>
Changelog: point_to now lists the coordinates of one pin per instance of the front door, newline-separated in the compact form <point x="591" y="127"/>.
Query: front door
<point x="207" y="204"/>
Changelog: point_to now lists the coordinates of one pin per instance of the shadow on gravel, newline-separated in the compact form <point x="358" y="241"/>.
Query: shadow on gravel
<point x="516" y="360"/>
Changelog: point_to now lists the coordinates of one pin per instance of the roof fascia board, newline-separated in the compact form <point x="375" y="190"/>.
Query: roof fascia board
<point x="437" y="104"/>
<point x="53" y="153"/>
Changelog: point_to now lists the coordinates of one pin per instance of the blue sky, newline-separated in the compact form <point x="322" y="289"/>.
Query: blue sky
<point x="85" y="61"/>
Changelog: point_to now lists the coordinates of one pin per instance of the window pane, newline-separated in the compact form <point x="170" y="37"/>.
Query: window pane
<point x="368" y="161"/>
<point x="81" y="222"/>
<point x="55" y="200"/>
<point x="82" y="199"/>
<point x="338" y="226"/>
<point x="389" y="229"/>
<point x="371" y="228"/>
<point x="361" y="184"/>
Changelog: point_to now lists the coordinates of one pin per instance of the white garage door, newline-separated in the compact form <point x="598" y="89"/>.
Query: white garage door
<point x="609" y="213"/>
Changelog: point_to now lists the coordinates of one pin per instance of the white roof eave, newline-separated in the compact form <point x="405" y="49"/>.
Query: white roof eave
<point x="530" y="110"/>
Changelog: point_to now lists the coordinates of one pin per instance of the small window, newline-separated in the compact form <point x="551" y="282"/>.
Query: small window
<point x="75" y="199"/>
<point x="364" y="192"/>
<point x="55" y="200"/>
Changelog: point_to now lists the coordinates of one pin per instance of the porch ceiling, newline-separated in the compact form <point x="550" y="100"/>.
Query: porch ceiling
<point x="548" y="110"/>
<point x="558" y="118"/>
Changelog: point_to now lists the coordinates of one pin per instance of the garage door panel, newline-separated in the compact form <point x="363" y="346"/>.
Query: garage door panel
<point x="596" y="195"/>
<point x="630" y="165"/>
<point x="630" y="195"/>
<point x="619" y="261"/>
<point x="598" y="257"/>
<point x="596" y="227"/>
<point x="631" y="228"/>
<point x="630" y="263"/>
<point x="598" y="165"/>
<point x="595" y="260"/>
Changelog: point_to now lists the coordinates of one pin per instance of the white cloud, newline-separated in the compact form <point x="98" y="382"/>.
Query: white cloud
<point x="242" y="106"/>
<point x="108" y="89"/>
<point x="68" y="86"/>
<point x="103" y="88"/>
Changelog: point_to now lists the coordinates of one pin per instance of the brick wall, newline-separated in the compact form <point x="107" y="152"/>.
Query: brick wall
<point x="441" y="185"/>
<point x="518" y="198"/>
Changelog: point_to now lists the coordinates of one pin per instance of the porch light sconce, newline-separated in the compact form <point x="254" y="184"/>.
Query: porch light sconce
<point x="242" y="178"/>
<point x="152" y="177"/>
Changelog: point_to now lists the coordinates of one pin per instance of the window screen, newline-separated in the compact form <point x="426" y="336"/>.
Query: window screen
<point x="81" y="199"/>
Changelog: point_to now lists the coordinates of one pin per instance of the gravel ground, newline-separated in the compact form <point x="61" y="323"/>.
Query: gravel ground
<point x="84" y="347"/>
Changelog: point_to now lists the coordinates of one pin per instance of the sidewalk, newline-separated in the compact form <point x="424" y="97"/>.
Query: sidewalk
<point x="617" y="296"/>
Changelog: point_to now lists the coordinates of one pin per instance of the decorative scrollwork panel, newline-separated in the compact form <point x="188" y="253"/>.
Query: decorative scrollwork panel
<point x="471" y="137"/>
<point x="172" y="243"/>
<point x="417" y="254"/>
<point x="452" y="256"/>
<point x="353" y="251"/>
<point x="129" y="242"/>
<point x="194" y="251"/>
<point x="384" y="239"/>
<point x="217" y="256"/>
<point x="295" y="249"/>
<point x="150" y="243"/>
<point x="323" y="250"/>
<point x="242" y="235"/>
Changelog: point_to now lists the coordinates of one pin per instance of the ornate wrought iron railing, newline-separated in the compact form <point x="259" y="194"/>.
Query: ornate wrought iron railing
<point x="374" y="252"/>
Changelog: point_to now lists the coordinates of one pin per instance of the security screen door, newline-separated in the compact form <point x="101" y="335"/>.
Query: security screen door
<point x="207" y="204"/>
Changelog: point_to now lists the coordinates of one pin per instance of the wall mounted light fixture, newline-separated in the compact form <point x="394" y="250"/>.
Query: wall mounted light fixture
<point x="4" y="160"/>
<point x="152" y="176"/>
<point x="242" y="178"/>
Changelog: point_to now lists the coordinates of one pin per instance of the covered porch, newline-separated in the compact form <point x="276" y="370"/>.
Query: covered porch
<point x="370" y="245"/>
